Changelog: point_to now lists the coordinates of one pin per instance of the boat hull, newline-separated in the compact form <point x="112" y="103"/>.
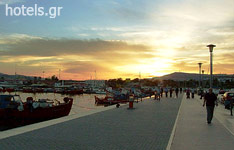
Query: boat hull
<point x="13" y="118"/>
<point x="105" y="101"/>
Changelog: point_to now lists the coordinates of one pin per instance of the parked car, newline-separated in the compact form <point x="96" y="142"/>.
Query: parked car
<point x="222" y="91"/>
<point x="227" y="97"/>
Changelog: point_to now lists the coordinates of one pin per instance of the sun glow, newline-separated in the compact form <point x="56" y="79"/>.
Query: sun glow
<point x="148" y="67"/>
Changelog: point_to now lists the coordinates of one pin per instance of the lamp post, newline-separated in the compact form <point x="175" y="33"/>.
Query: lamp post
<point x="202" y="78"/>
<point x="211" y="46"/>
<point x="200" y="64"/>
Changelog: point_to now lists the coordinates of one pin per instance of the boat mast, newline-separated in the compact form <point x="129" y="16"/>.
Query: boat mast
<point x="95" y="79"/>
<point x="59" y="74"/>
<point x="15" y="73"/>
<point x="140" y="79"/>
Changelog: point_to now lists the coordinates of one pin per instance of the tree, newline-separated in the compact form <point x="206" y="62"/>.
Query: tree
<point x="54" y="78"/>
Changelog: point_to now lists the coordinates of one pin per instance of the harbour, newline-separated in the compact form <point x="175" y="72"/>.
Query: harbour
<point x="116" y="75"/>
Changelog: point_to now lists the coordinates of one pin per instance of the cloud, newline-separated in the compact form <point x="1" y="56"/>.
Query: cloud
<point x="81" y="67"/>
<point x="57" y="47"/>
<point x="73" y="56"/>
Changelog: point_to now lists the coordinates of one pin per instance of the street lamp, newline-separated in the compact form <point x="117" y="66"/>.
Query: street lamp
<point x="200" y="64"/>
<point x="202" y="78"/>
<point x="211" y="46"/>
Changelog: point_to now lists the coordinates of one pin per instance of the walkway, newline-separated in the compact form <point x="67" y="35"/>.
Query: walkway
<point x="193" y="133"/>
<point x="148" y="126"/>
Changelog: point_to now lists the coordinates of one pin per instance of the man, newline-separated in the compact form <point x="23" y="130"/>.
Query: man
<point x="192" y="91"/>
<point x="210" y="99"/>
<point x="188" y="93"/>
<point x="166" y="91"/>
<point x="171" y="91"/>
<point x="161" y="92"/>
<point x="157" y="93"/>
<point x="177" y="91"/>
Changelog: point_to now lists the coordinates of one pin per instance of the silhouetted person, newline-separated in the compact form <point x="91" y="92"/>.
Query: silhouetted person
<point x="192" y="91"/>
<point x="177" y="91"/>
<point x="209" y="100"/>
<point x="171" y="90"/>
<point x="166" y="91"/>
<point x="188" y="93"/>
<point x="202" y="94"/>
<point x="157" y="93"/>
<point x="161" y="92"/>
<point x="181" y="90"/>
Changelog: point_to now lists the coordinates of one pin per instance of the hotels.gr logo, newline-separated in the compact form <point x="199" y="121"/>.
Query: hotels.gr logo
<point x="51" y="12"/>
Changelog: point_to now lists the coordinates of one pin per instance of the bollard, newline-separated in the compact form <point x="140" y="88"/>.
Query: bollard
<point x="131" y="100"/>
<point x="130" y="105"/>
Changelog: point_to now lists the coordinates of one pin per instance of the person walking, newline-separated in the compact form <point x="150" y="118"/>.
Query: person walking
<point x="177" y="91"/>
<point x="188" y="93"/>
<point x="171" y="91"/>
<point x="157" y="94"/>
<point x="161" y="92"/>
<point x="210" y="100"/>
<point x="166" y="91"/>
<point x="202" y="94"/>
<point x="192" y="91"/>
<point x="181" y="90"/>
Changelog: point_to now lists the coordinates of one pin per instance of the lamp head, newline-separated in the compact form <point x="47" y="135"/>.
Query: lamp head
<point x="211" y="46"/>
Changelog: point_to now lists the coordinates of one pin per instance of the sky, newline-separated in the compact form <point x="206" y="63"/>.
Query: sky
<point x="117" y="38"/>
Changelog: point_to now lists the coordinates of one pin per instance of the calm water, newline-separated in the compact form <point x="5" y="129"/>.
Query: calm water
<point x="81" y="103"/>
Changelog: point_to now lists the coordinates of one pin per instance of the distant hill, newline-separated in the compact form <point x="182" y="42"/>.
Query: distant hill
<point x="12" y="77"/>
<point x="181" y="76"/>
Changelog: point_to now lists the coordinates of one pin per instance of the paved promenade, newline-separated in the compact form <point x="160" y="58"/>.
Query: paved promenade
<point x="148" y="126"/>
<point x="152" y="125"/>
<point x="193" y="133"/>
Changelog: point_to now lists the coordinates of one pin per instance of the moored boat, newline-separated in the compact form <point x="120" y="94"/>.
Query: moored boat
<point x="14" y="112"/>
<point x="109" y="100"/>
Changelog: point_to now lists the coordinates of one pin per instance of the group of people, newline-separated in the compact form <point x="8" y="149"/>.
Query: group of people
<point x="210" y="99"/>
<point x="158" y="92"/>
<point x="190" y="92"/>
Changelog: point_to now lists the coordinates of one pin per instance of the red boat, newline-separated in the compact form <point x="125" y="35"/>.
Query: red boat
<point x="74" y="91"/>
<point x="3" y="90"/>
<point x="108" y="101"/>
<point x="68" y="91"/>
<point x="14" y="112"/>
<point x="28" y="90"/>
<point x="10" y="90"/>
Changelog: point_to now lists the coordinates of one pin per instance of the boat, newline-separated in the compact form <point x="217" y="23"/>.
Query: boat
<point x="113" y="97"/>
<point x="28" y="90"/>
<point x="109" y="100"/>
<point x="69" y="91"/>
<point x="98" y="91"/>
<point x="10" y="90"/>
<point x="73" y="91"/>
<point x="14" y="112"/>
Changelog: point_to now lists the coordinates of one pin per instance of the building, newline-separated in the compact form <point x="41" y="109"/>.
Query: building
<point x="96" y="83"/>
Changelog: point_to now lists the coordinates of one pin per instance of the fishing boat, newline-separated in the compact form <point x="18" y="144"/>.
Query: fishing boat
<point x="69" y="91"/>
<point x="109" y="100"/>
<point x="112" y="98"/>
<point x="14" y="112"/>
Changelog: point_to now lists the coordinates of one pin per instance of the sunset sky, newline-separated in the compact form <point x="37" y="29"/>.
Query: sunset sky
<point x="117" y="38"/>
